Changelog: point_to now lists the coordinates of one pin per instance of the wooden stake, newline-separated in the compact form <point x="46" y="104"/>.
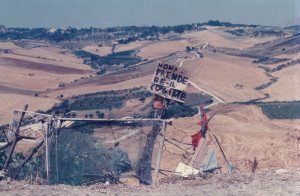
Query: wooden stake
<point x="162" y="139"/>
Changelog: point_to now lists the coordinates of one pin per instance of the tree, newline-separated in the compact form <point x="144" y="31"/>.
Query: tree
<point x="179" y="29"/>
<point x="214" y="23"/>
<point x="188" y="49"/>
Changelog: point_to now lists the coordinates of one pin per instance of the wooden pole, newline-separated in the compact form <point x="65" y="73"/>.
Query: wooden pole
<point x="47" y="159"/>
<point x="144" y="167"/>
<point x="4" y="172"/>
<point x="162" y="139"/>
<point x="59" y="123"/>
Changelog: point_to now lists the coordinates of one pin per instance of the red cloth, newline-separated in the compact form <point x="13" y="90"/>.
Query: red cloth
<point x="158" y="102"/>
<point x="195" y="139"/>
<point x="204" y="118"/>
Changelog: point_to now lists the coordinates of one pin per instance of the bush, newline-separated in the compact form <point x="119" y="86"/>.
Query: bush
<point x="177" y="110"/>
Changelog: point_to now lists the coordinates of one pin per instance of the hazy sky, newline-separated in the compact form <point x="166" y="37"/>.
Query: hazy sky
<point x="110" y="13"/>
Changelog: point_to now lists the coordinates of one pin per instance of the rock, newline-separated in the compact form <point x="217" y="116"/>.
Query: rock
<point x="280" y="171"/>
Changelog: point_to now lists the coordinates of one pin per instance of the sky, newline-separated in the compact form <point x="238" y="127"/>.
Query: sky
<point x="112" y="13"/>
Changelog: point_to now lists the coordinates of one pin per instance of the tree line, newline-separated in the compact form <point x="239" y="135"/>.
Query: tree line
<point x="71" y="34"/>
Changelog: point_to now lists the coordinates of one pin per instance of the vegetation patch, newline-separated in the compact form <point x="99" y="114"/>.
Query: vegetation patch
<point x="32" y="170"/>
<point x="268" y="60"/>
<point x="193" y="99"/>
<point x="179" y="110"/>
<point x="90" y="103"/>
<point x="281" y="110"/>
<point x="264" y="33"/>
<point x="100" y="100"/>
<point x="266" y="85"/>
<point x="238" y="32"/>
<point x="124" y="58"/>
<point x="256" y="32"/>
<point x="276" y="109"/>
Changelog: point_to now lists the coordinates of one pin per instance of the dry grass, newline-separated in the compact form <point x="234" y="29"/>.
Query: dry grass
<point x="288" y="85"/>
<point x="215" y="37"/>
<point x="9" y="102"/>
<point x="161" y="49"/>
<point x="219" y="74"/>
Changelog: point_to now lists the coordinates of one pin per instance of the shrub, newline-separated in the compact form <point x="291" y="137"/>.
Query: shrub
<point x="177" y="110"/>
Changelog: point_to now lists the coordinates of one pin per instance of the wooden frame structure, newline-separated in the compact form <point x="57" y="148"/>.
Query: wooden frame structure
<point x="59" y="120"/>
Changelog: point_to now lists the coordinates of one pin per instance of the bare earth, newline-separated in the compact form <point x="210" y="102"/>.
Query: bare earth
<point x="261" y="183"/>
<point x="244" y="133"/>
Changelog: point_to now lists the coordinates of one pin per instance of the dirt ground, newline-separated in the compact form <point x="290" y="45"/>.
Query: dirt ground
<point x="271" y="182"/>
<point x="244" y="132"/>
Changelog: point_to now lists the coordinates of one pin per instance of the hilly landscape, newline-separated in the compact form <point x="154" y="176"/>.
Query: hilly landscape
<point x="248" y="74"/>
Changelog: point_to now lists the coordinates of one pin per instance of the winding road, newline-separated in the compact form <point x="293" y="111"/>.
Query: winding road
<point x="217" y="99"/>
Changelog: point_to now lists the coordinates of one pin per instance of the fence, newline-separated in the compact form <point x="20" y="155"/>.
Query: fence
<point x="84" y="151"/>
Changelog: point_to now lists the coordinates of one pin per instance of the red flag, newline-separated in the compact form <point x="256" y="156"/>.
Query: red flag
<point x="204" y="118"/>
<point x="195" y="139"/>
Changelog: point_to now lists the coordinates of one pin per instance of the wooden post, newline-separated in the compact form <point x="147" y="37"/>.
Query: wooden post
<point x="47" y="158"/>
<point x="58" y="126"/>
<point x="144" y="164"/>
<point x="162" y="139"/>
<point x="3" y="172"/>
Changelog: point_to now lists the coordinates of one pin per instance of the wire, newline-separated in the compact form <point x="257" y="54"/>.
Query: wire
<point x="181" y="142"/>
<point x="165" y="149"/>
<point x="177" y="146"/>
